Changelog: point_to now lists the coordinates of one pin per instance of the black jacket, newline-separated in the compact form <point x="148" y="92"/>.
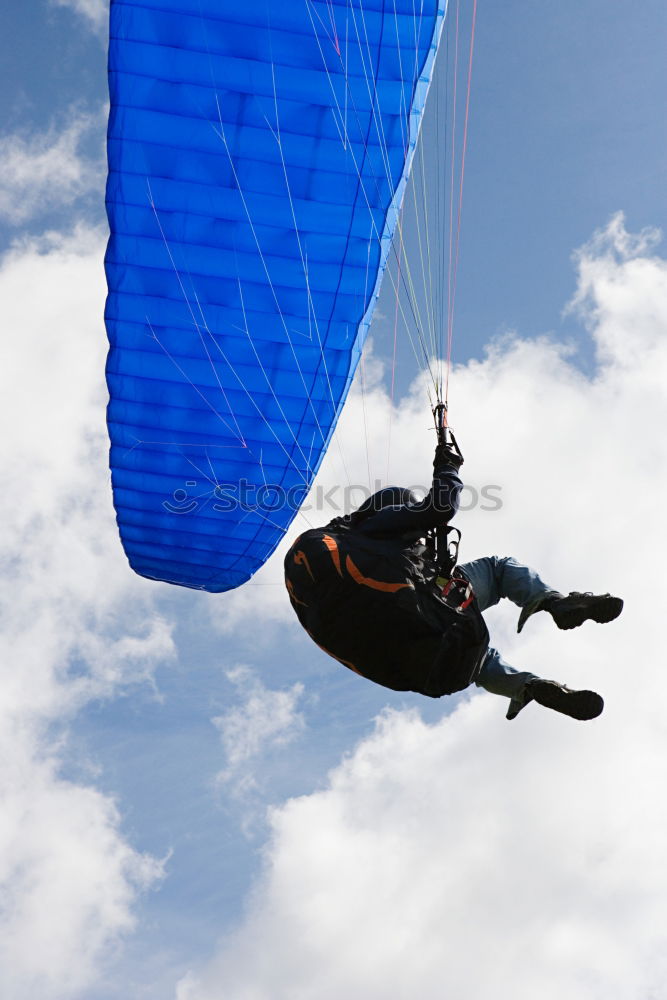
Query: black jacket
<point x="364" y="587"/>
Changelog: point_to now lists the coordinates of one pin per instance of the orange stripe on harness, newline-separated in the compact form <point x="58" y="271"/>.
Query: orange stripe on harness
<point x="301" y="559"/>
<point x="332" y="546"/>
<point x="367" y="581"/>
<point x="293" y="597"/>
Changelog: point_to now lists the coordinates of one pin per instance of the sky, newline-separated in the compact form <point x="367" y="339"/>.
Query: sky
<point x="197" y="803"/>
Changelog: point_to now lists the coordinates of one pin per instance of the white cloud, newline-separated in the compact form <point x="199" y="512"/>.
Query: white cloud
<point x="45" y="171"/>
<point x="77" y="625"/>
<point x="265" y="720"/>
<point x="461" y="859"/>
<point x="479" y="858"/>
<point x="69" y="880"/>
<point x="95" y="12"/>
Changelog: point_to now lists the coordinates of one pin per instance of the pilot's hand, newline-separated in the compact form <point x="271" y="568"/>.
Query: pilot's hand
<point x="448" y="452"/>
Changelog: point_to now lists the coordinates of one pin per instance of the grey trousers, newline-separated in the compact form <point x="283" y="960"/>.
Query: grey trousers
<point x="493" y="578"/>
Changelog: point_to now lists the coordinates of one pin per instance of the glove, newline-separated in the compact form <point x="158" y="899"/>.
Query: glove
<point x="448" y="453"/>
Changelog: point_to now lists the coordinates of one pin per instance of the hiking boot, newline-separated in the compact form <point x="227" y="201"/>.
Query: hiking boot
<point x="577" y="704"/>
<point x="573" y="610"/>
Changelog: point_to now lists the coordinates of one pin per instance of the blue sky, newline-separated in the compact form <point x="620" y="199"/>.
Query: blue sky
<point x="119" y="690"/>
<point x="563" y="133"/>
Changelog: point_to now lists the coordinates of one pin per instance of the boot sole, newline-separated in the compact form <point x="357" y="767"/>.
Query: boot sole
<point x="581" y="705"/>
<point x="606" y="610"/>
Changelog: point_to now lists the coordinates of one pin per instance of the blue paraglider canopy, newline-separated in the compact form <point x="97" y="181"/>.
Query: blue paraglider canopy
<point x="257" y="159"/>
